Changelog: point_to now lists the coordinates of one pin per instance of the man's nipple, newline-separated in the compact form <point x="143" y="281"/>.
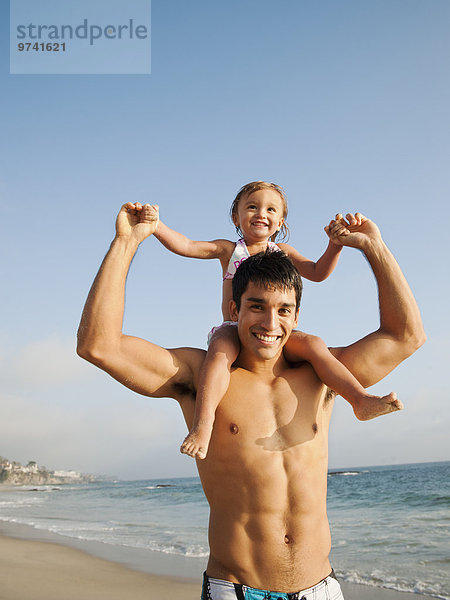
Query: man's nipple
<point x="234" y="428"/>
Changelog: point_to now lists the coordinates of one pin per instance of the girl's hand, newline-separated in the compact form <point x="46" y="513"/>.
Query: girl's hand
<point x="137" y="221"/>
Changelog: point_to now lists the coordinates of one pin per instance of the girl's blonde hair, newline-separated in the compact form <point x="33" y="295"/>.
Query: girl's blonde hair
<point x="254" y="186"/>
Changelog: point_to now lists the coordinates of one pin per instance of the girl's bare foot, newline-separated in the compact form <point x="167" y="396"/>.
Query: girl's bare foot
<point x="375" y="406"/>
<point x="196" y="443"/>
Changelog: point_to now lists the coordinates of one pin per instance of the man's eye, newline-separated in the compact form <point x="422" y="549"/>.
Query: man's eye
<point x="256" y="306"/>
<point x="284" y="311"/>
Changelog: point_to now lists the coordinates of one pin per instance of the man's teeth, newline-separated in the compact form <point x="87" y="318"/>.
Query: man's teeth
<point x="266" y="338"/>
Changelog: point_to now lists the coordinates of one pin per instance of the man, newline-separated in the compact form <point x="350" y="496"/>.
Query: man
<point x="265" y="476"/>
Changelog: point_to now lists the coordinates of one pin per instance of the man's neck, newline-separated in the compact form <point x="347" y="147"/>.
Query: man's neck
<point x="270" y="368"/>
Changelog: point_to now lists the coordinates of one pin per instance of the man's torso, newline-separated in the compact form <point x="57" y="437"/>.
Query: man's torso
<point x="265" y="479"/>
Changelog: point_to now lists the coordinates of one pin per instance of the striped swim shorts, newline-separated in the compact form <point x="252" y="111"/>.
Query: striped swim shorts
<point x="219" y="589"/>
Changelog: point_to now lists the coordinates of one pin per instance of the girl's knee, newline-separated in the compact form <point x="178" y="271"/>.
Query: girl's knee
<point x="316" y="344"/>
<point x="225" y="334"/>
<point x="224" y="340"/>
<point x="306" y="345"/>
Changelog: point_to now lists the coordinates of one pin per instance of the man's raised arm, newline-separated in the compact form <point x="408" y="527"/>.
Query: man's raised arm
<point x="401" y="331"/>
<point x="144" y="367"/>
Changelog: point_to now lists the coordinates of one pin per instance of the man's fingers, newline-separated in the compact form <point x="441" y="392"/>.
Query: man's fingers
<point x="341" y="220"/>
<point x="131" y="207"/>
<point x="360" y="218"/>
<point x="355" y="219"/>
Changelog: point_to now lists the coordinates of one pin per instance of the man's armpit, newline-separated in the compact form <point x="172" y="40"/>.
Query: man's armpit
<point x="183" y="389"/>
<point x="330" y="395"/>
<point x="189" y="361"/>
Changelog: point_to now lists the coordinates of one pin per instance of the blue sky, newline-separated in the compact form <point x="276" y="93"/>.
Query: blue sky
<point x="343" y="103"/>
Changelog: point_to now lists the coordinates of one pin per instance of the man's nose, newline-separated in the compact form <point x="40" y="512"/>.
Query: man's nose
<point x="270" y="321"/>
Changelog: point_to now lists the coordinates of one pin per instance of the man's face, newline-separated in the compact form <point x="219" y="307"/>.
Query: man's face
<point x="265" y="320"/>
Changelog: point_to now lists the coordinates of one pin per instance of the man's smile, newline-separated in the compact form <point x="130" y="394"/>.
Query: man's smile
<point x="266" y="338"/>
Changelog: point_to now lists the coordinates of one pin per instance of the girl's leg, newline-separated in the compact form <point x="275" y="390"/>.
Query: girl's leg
<point x="214" y="379"/>
<point x="336" y="376"/>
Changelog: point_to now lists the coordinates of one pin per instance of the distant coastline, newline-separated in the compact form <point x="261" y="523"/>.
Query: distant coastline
<point x="14" y="473"/>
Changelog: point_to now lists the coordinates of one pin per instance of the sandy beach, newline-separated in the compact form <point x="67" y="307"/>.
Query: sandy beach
<point x="32" y="569"/>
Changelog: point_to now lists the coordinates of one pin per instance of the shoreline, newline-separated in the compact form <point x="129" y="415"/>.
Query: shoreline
<point x="58" y="567"/>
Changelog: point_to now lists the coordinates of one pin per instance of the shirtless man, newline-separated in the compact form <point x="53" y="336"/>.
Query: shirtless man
<point x="265" y="476"/>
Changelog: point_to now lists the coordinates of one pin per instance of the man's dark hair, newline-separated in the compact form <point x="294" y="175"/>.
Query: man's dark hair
<point x="267" y="269"/>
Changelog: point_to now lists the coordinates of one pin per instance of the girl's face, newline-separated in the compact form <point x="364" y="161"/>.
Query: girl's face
<point x="259" y="215"/>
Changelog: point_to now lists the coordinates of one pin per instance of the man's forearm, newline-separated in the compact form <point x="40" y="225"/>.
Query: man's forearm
<point x="101" y="322"/>
<point x="399" y="313"/>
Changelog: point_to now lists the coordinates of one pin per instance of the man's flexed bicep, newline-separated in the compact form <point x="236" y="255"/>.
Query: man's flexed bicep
<point x="151" y="370"/>
<point x="373" y="357"/>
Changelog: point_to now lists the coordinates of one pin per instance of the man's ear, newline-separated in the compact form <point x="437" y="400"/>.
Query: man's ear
<point x="234" y="313"/>
<point x="296" y="319"/>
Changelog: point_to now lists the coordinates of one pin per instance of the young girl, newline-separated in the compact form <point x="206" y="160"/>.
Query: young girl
<point x="258" y="213"/>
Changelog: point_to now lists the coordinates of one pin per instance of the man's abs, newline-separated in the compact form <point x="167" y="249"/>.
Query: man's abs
<point x="263" y="552"/>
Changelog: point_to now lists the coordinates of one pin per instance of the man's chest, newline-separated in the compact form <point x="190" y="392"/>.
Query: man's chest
<point x="272" y="415"/>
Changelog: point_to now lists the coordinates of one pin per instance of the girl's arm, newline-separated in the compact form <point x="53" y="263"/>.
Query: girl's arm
<point x="180" y="244"/>
<point x="314" y="271"/>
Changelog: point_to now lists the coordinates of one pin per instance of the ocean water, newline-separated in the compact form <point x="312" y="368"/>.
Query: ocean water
<point x="390" y="525"/>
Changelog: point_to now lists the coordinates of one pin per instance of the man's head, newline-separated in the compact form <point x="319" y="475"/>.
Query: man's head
<point x="267" y="269"/>
<point x="266" y="296"/>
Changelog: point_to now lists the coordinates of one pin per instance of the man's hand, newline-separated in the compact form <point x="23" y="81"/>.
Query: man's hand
<point x="137" y="221"/>
<point x="355" y="231"/>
